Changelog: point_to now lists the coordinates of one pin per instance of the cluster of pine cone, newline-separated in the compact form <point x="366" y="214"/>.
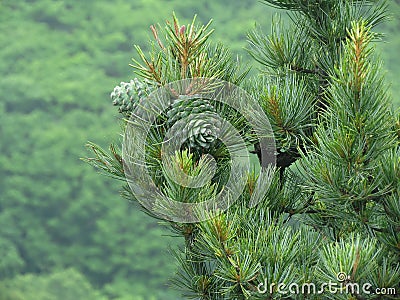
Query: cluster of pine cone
<point x="201" y="131"/>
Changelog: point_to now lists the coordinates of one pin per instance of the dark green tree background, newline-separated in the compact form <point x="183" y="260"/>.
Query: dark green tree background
<point x="64" y="233"/>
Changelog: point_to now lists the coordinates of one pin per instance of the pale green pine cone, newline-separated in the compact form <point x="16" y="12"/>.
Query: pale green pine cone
<point x="201" y="128"/>
<point x="127" y="94"/>
<point x="202" y="132"/>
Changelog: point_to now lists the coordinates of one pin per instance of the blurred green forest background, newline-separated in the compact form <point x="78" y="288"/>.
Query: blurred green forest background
<point x="64" y="231"/>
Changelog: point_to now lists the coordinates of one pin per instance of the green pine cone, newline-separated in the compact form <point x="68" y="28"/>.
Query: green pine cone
<point x="185" y="105"/>
<point x="127" y="94"/>
<point x="201" y="131"/>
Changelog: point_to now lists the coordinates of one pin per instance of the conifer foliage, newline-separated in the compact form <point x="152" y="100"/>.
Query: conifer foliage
<point x="331" y="212"/>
